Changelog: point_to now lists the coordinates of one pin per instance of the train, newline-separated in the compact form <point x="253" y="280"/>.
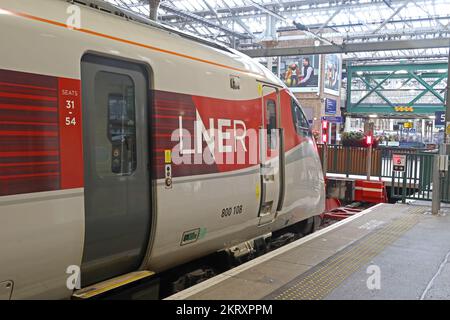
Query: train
<point x="127" y="146"/>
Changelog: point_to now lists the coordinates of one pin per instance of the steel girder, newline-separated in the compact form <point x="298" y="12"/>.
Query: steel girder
<point x="386" y="89"/>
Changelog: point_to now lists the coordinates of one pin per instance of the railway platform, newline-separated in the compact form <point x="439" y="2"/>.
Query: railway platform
<point x="389" y="251"/>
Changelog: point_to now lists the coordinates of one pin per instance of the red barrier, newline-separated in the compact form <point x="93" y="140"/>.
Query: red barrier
<point x="370" y="191"/>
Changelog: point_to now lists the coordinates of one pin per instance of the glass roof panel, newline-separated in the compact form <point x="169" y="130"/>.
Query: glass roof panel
<point x="353" y="21"/>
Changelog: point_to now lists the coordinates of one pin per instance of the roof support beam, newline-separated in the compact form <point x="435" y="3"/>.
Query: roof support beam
<point x="325" y="24"/>
<point x="206" y="22"/>
<point x="427" y="86"/>
<point x="240" y="22"/>
<point x="411" y="58"/>
<point x="430" y="16"/>
<point x="264" y="9"/>
<point x="374" y="89"/>
<point x="299" y="7"/>
<point x="350" y="47"/>
<point x="212" y="11"/>
<point x="381" y="26"/>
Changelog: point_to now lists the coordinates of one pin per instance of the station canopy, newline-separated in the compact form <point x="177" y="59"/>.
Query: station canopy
<point x="253" y="24"/>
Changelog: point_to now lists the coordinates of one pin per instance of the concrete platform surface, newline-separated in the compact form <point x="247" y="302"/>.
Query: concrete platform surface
<point x="386" y="252"/>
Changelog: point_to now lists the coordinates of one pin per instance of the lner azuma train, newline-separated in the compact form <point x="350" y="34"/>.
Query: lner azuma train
<point x="128" y="147"/>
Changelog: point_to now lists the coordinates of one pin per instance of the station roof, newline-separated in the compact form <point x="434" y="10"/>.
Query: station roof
<point x="246" y="24"/>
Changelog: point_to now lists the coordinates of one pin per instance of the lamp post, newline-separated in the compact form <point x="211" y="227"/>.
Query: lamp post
<point x="368" y="130"/>
<point x="324" y="138"/>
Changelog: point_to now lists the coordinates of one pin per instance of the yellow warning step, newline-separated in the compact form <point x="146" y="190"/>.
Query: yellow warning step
<point x="111" y="284"/>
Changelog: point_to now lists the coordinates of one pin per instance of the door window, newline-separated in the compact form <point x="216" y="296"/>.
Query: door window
<point x="271" y="124"/>
<point x="115" y="140"/>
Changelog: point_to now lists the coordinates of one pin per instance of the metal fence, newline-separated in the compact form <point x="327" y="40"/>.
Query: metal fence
<point x="351" y="160"/>
<point x="386" y="158"/>
<point x="414" y="183"/>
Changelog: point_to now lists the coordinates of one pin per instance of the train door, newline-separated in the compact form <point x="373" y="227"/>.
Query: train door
<point x="116" y="162"/>
<point x="269" y="155"/>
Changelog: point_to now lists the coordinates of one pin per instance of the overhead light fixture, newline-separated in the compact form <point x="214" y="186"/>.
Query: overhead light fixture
<point x="300" y="26"/>
<point x="373" y="116"/>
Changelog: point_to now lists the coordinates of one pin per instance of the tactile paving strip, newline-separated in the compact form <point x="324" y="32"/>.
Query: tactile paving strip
<point x="318" y="282"/>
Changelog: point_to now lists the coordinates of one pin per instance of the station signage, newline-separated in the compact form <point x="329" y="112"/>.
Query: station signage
<point x="399" y="162"/>
<point x="393" y="143"/>
<point x="330" y="106"/>
<point x="408" y="125"/>
<point x="404" y="109"/>
<point x="332" y="119"/>
<point x="439" y="120"/>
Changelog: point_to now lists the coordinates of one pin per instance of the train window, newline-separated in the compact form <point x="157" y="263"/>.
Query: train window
<point x="115" y="142"/>
<point x="271" y="120"/>
<point x="300" y="121"/>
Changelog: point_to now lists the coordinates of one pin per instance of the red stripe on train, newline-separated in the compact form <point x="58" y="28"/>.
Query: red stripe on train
<point x="33" y="175"/>
<point x="24" y="164"/>
<point x="27" y="108"/>
<point x="168" y="106"/>
<point x="27" y="96"/>
<point x="28" y="153"/>
<point x="29" y="133"/>
<point x="28" y="123"/>
<point x="9" y="84"/>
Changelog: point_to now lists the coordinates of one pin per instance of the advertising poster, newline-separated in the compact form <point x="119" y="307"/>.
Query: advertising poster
<point x="333" y="72"/>
<point x="301" y="73"/>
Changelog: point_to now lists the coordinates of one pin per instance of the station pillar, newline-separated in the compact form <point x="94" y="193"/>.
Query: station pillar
<point x="447" y="107"/>
<point x="154" y="6"/>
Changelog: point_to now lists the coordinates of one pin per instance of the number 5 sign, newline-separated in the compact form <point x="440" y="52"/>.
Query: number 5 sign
<point x="399" y="162"/>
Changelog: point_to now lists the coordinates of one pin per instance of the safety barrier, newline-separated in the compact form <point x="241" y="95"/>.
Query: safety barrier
<point x="351" y="160"/>
<point x="414" y="183"/>
<point x="386" y="158"/>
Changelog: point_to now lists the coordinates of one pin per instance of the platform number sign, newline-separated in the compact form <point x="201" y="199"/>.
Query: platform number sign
<point x="399" y="162"/>
<point x="439" y="120"/>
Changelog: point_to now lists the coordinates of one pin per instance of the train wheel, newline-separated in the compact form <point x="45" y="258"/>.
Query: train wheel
<point x="317" y="223"/>
<point x="308" y="226"/>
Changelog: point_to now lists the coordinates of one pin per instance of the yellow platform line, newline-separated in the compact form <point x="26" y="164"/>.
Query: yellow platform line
<point x="348" y="265"/>
<point x="319" y="283"/>
<point x="335" y="264"/>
